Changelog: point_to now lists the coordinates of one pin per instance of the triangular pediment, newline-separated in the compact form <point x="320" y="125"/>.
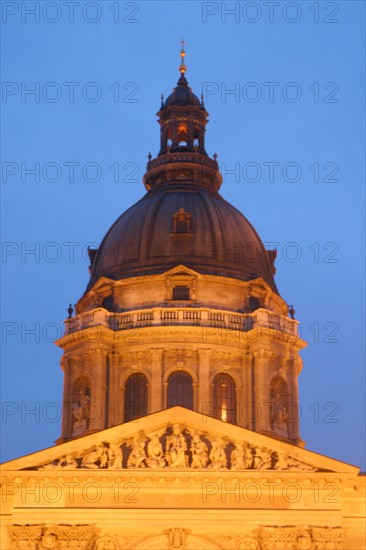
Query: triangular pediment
<point x="178" y="438"/>
<point x="181" y="269"/>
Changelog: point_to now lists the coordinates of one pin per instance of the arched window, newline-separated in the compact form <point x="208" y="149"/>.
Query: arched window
<point x="180" y="390"/>
<point x="182" y="134"/>
<point x="224" y="398"/>
<point x="135" y="397"/>
<point x="196" y="137"/>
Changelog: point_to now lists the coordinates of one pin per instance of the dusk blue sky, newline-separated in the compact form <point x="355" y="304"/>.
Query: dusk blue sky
<point x="311" y="116"/>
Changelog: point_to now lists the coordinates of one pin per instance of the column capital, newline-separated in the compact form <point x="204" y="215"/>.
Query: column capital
<point x="157" y="352"/>
<point x="114" y="358"/>
<point x="262" y="354"/>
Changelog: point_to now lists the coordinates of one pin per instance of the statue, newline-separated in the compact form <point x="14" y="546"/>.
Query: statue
<point x="81" y="412"/>
<point x="248" y="457"/>
<point x="262" y="459"/>
<point x="199" y="452"/>
<point x="66" y="462"/>
<point x="176" y="446"/>
<point x="218" y="458"/>
<point x="285" y="462"/>
<point x="137" y="458"/>
<point x="96" y="455"/>
<point x="237" y="457"/>
<point x="155" y="453"/>
<point x="278" y="416"/>
<point x="114" y="456"/>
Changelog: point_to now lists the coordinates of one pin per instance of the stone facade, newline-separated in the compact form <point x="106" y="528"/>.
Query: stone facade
<point x="180" y="479"/>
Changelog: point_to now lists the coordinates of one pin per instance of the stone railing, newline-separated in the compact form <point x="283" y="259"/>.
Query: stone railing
<point x="196" y="158"/>
<point x="181" y="316"/>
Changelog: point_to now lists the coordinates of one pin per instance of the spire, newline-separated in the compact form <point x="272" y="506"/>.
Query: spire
<point x="182" y="66"/>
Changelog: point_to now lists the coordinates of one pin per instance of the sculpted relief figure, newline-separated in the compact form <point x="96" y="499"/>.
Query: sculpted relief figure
<point x="237" y="457"/>
<point x="278" y="416"/>
<point x="137" y="458"/>
<point x="114" y="456"/>
<point x="176" y="447"/>
<point x="262" y="459"/>
<point x="199" y="452"/>
<point x="93" y="457"/>
<point x="217" y="455"/>
<point x="109" y="455"/>
<point x="177" y="538"/>
<point x="66" y="462"/>
<point x="285" y="462"/>
<point x="155" y="453"/>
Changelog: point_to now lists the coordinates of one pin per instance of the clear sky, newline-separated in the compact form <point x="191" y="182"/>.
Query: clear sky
<point x="289" y="137"/>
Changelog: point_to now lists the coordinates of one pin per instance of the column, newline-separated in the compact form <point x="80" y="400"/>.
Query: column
<point x="245" y="418"/>
<point x="66" y="430"/>
<point x="98" y="391"/>
<point x="294" y="366"/>
<point x="156" y="386"/>
<point x="261" y="391"/>
<point x="115" y="401"/>
<point x="204" y="403"/>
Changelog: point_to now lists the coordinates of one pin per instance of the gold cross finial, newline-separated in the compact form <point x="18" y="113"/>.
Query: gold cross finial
<point x="182" y="66"/>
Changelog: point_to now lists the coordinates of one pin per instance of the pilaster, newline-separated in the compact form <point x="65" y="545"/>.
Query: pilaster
<point x="156" y="394"/>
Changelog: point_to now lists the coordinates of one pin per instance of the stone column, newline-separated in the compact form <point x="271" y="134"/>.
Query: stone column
<point x="98" y="390"/>
<point x="204" y="403"/>
<point x="293" y="409"/>
<point x="156" y="386"/>
<point x="261" y="391"/>
<point x="245" y="411"/>
<point x="115" y="401"/>
<point x="66" y="430"/>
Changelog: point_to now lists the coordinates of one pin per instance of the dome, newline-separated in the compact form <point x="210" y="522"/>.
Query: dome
<point x="182" y="224"/>
<point x="182" y="95"/>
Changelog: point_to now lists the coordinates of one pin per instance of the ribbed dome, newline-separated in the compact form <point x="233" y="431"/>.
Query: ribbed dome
<point x="215" y="239"/>
<point x="182" y="95"/>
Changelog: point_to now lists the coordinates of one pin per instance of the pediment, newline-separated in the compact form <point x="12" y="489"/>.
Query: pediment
<point x="178" y="439"/>
<point x="181" y="270"/>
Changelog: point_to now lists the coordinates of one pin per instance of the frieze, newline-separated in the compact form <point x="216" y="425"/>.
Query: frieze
<point x="305" y="538"/>
<point x="178" y="447"/>
<point x="87" y="537"/>
<point x="55" y="537"/>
